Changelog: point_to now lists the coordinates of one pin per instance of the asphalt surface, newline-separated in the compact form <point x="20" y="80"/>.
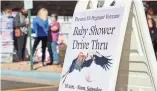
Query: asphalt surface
<point x="24" y="86"/>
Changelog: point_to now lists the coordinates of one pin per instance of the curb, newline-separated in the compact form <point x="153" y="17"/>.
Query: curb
<point x="28" y="80"/>
<point x="44" y="76"/>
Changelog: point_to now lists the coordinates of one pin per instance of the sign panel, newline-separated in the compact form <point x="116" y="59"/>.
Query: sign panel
<point x="6" y="58"/>
<point x="6" y="34"/>
<point x="28" y="4"/>
<point x="7" y="46"/>
<point x="6" y="28"/>
<point x="6" y="23"/>
<point x="6" y="37"/>
<point x="92" y="46"/>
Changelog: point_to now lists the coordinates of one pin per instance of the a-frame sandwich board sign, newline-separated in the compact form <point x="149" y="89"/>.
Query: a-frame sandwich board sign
<point x="138" y="71"/>
<point x="89" y="76"/>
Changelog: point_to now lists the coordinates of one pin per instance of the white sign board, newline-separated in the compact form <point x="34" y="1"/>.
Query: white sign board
<point x="93" y="42"/>
<point x="28" y="4"/>
<point x="6" y="37"/>
<point x="6" y="34"/>
<point x="137" y="70"/>
<point x="6" y="28"/>
<point x="6" y="58"/>
<point x="7" y="46"/>
<point x="6" y="23"/>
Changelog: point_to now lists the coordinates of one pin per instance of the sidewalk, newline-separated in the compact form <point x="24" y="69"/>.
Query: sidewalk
<point x="23" y="66"/>
<point x="46" y="74"/>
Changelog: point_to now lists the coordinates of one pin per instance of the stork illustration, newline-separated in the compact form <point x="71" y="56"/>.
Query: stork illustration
<point x="83" y="61"/>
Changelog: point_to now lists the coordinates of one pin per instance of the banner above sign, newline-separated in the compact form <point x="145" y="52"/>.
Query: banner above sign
<point x="90" y="58"/>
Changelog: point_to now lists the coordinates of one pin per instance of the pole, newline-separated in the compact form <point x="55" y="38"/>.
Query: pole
<point x="30" y="32"/>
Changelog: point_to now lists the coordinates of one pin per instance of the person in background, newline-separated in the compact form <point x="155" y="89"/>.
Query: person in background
<point x="145" y="6"/>
<point x="54" y="27"/>
<point x="8" y="13"/>
<point x="49" y="47"/>
<point x="20" y="33"/>
<point x="11" y="17"/>
<point x="152" y="28"/>
<point x="40" y="27"/>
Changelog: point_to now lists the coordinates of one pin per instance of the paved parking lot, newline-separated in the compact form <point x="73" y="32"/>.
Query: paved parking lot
<point x="24" y="86"/>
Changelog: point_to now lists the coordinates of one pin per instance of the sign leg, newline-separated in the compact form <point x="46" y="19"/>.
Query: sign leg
<point x="30" y="32"/>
